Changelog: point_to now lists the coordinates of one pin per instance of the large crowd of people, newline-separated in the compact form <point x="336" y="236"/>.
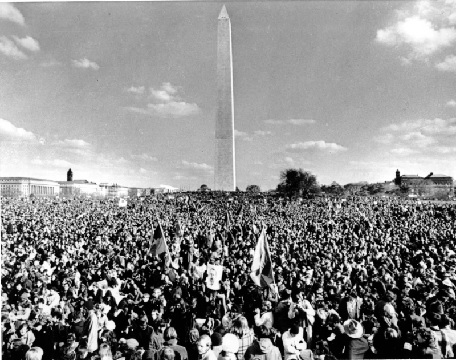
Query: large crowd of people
<point x="354" y="278"/>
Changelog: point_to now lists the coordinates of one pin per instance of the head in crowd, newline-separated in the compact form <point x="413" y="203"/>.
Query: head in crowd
<point x="34" y="353"/>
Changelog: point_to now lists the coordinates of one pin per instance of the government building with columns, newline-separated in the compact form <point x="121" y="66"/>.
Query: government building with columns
<point x="25" y="186"/>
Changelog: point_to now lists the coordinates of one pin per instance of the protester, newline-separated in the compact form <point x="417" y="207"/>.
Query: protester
<point x="80" y="276"/>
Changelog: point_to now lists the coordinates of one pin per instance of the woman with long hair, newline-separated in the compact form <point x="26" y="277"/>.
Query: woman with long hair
<point x="242" y="330"/>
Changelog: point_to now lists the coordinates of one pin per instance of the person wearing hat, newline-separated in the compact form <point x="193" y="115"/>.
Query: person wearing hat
<point x="293" y="342"/>
<point x="355" y="344"/>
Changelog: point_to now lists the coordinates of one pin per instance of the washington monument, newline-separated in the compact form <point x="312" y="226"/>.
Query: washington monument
<point x="225" y="171"/>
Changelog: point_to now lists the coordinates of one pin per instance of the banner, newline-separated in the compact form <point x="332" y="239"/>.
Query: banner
<point x="214" y="276"/>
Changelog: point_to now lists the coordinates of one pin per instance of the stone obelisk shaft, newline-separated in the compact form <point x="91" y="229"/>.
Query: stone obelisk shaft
<point x="225" y="174"/>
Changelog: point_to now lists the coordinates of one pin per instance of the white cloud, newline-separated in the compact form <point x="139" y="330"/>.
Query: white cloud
<point x="170" y="89"/>
<point x="165" y="93"/>
<point x="193" y="171"/>
<point x="426" y="126"/>
<point x="77" y="143"/>
<point x="28" y="43"/>
<point x="166" y="103"/>
<point x="451" y="103"/>
<point x="290" y="121"/>
<point x="9" y="48"/>
<point x="197" y="166"/>
<point x="161" y="95"/>
<point x="242" y="135"/>
<point x="316" y="145"/>
<point x="142" y="171"/>
<point x="429" y="140"/>
<point x="417" y="138"/>
<point x="422" y="30"/>
<point x="9" y="131"/>
<point x="144" y="157"/>
<point x="139" y="90"/>
<point x="11" y="13"/>
<point x="445" y="149"/>
<point x="301" y="121"/>
<point x="85" y="64"/>
<point x="289" y="160"/>
<point x="121" y="161"/>
<point x="449" y="64"/>
<point x="172" y="109"/>
<point x="403" y="151"/>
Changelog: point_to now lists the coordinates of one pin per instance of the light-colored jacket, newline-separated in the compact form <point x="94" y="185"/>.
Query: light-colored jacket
<point x="293" y="345"/>
<point x="91" y="331"/>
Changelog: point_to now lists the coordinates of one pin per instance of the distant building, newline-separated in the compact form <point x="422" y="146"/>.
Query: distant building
<point x="165" y="189"/>
<point x="25" y="187"/>
<point x="138" y="192"/>
<point x="113" y="190"/>
<point x="437" y="179"/>
<point x="78" y="187"/>
<point x="430" y="185"/>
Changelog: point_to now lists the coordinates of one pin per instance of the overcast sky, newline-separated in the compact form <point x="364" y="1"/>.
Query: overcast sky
<point x="126" y="92"/>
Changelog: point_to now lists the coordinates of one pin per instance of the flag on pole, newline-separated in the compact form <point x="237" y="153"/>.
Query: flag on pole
<point x="262" y="273"/>
<point x="227" y="228"/>
<point x="158" y="242"/>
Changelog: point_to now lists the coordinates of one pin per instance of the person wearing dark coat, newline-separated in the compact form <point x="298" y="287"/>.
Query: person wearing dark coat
<point x="44" y="338"/>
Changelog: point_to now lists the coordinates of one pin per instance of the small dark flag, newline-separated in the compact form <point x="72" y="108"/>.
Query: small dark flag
<point x="158" y="242"/>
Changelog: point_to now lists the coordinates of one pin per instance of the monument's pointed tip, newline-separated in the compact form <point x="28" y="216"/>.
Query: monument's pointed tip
<point x="223" y="13"/>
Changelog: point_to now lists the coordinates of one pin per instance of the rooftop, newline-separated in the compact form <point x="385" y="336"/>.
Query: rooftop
<point x="440" y="176"/>
<point x="17" y="178"/>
